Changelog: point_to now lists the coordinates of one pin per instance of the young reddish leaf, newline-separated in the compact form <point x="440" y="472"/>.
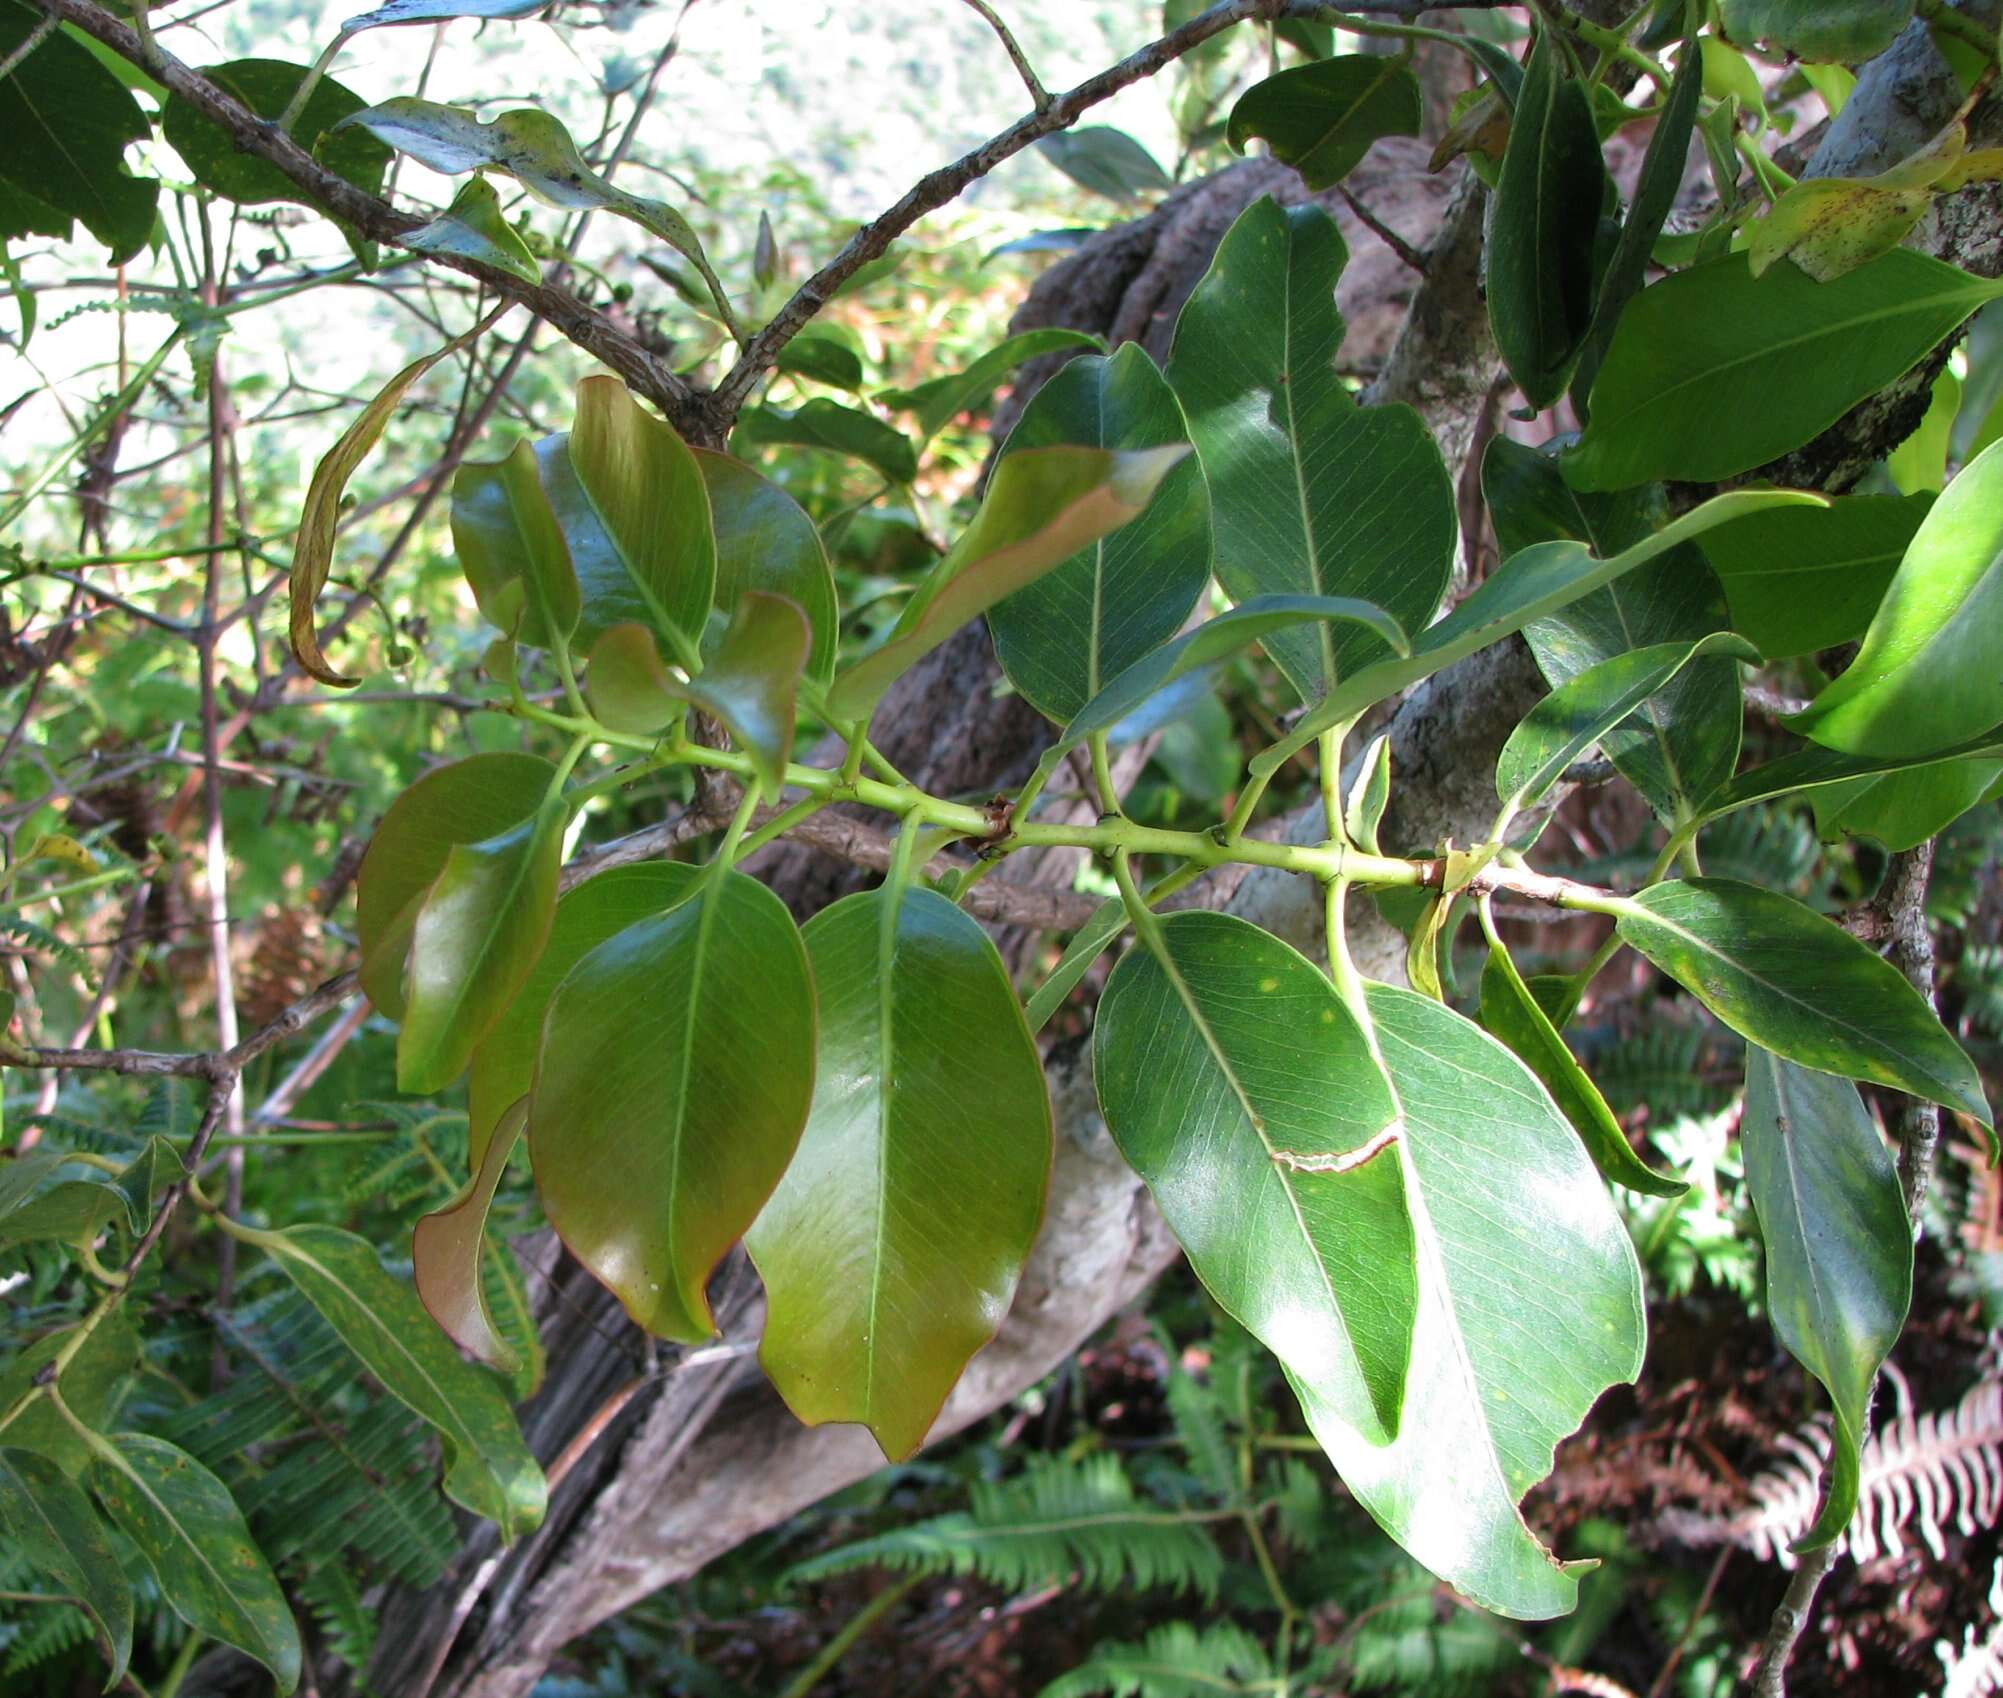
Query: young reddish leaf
<point x="1042" y="506"/>
<point x="677" y="1065"/>
<point x="765" y="541"/>
<point x="513" y="551"/>
<point x="466" y="802"/>
<point x="634" y="508"/>
<point x="503" y="1067"/>
<point x="891" y="1250"/>
<point x="445" y="1254"/>
<point x="475" y="938"/>
<point x="750" y="684"/>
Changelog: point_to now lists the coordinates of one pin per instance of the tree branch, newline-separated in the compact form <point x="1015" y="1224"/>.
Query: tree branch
<point x="590" y="329"/>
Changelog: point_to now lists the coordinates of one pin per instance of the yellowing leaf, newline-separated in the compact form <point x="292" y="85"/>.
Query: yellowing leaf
<point x="313" y="550"/>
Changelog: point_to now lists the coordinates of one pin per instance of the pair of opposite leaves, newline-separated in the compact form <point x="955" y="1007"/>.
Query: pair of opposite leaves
<point x="687" y="1062"/>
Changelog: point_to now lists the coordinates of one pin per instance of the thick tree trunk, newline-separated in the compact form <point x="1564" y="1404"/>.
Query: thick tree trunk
<point x="702" y="1455"/>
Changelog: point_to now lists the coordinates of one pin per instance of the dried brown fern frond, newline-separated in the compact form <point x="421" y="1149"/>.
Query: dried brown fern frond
<point x="1920" y="1471"/>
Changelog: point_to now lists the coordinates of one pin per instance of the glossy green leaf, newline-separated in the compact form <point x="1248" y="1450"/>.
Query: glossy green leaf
<point x="1926" y="677"/>
<point x="1810" y="771"/>
<point x="37" y="1205"/>
<point x="1513" y="1015"/>
<point x="677" y="1067"/>
<point x="92" y="1383"/>
<point x="473" y="940"/>
<point x="68" y="121"/>
<point x="267" y="86"/>
<point x="1685" y="742"/>
<point x="634" y="504"/>
<point x="940" y="400"/>
<point x="1106" y="161"/>
<point x="1663" y="169"/>
<point x="1092" y="616"/>
<point x="51" y="1528"/>
<point x="765" y="541"/>
<point x="538" y="152"/>
<point x="823" y="358"/>
<point x="1901" y="810"/>
<point x="1793" y="982"/>
<point x="891" y="1250"/>
<point x="1801" y="579"/>
<point x="1042" y="506"/>
<point x="468" y="801"/>
<point x="1216" y="640"/>
<point x="1839" y="1249"/>
<point x="313" y="548"/>
<point x="473" y="227"/>
<point x="488" y="1469"/>
<point x="447" y="1250"/>
<point x="1843" y="32"/>
<point x="437" y="11"/>
<point x="1530" y="585"/>
<point x="1311" y="494"/>
<point x="513" y="551"/>
<point x="1713" y="371"/>
<point x="192" y="1535"/>
<point x="1545" y="228"/>
<point x="1321" y="118"/>
<point x="1527" y="1311"/>
<point x="503" y="1066"/>
<point x="1245" y="1094"/>
<point x="840" y="430"/>
<point x="1587" y="707"/>
<point x="750" y="684"/>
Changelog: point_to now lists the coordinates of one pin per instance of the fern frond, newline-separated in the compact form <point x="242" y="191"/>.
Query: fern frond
<point x="1974" y="1669"/>
<point x="50" y="1632"/>
<point x="31" y="939"/>
<point x="1918" y="1470"/>
<point x="1176" y="1660"/>
<point x="1299" y="1503"/>
<point x="347" y="1625"/>
<point x="1056" y="1519"/>
<point x="362" y="1476"/>
<point x="1769" y="846"/>
<point x="1659" y="1068"/>
<point x="1198" y="1414"/>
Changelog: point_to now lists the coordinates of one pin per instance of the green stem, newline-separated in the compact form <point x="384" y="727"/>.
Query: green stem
<point x="311" y="81"/>
<point x="98" y="881"/>
<point x="780" y="823"/>
<point x="838" y="1647"/>
<point x="1948" y="21"/>
<point x="1102" y="772"/>
<point x="184" y="1659"/>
